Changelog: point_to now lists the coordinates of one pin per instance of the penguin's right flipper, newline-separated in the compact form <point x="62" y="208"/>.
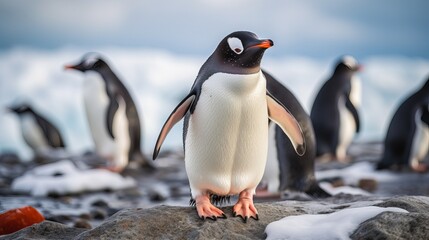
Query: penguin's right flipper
<point x="287" y="122"/>
<point x="177" y="114"/>
<point x="51" y="133"/>
<point x="354" y="112"/>
<point x="111" y="111"/>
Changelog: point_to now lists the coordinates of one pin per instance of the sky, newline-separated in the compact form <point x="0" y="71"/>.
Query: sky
<point x="322" y="29"/>
<point x="157" y="47"/>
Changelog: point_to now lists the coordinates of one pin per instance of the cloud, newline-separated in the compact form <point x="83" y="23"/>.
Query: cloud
<point x="312" y="28"/>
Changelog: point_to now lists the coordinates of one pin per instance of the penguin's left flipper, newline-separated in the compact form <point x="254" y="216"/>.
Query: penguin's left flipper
<point x="287" y="122"/>
<point x="177" y="114"/>
<point x="111" y="111"/>
<point x="353" y="110"/>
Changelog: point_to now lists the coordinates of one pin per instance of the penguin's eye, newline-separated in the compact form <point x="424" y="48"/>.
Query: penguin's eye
<point x="235" y="45"/>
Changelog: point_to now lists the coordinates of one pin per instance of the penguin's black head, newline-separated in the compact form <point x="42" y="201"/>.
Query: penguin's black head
<point x="19" y="109"/>
<point x="348" y="63"/>
<point x="241" y="50"/>
<point x="89" y="62"/>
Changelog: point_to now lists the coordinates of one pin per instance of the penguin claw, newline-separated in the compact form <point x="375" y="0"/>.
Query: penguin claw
<point x="244" y="208"/>
<point x="256" y="217"/>
<point x="206" y="210"/>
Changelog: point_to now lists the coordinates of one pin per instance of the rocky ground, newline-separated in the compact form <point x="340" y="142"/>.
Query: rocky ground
<point x="158" y="208"/>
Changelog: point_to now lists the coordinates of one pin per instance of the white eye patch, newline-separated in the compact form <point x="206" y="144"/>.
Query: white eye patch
<point x="350" y="61"/>
<point x="90" y="61"/>
<point x="235" y="45"/>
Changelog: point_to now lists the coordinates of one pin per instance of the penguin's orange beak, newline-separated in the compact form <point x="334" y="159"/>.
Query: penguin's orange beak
<point x="265" y="44"/>
<point x="66" y="67"/>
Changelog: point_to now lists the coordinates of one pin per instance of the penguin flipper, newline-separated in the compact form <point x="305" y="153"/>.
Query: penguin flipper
<point x="111" y="111"/>
<point x="287" y="122"/>
<point x="51" y="133"/>
<point x="177" y="114"/>
<point x="354" y="112"/>
<point x="425" y="115"/>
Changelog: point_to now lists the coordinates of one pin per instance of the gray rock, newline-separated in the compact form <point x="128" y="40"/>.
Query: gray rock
<point x="414" y="225"/>
<point x="169" y="222"/>
<point x="45" y="230"/>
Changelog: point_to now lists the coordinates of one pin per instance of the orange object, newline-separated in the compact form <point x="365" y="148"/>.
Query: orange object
<point x="19" y="218"/>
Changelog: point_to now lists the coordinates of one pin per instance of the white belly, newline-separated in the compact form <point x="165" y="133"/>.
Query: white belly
<point x="96" y="103"/>
<point x="33" y="134"/>
<point x="272" y="169"/>
<point x="347" y="129"/>
<point x="226" y="144"/>
<point x="420" y="147"/>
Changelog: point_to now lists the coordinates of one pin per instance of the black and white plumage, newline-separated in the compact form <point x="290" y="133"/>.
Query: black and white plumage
<point x="334" y="113"/>
<point x="112" y="115"/>
<point x="285" y="169"/>
<point x="38" y="132"/>
<point x="226" y="125"/>
<point x="407" y="138"/>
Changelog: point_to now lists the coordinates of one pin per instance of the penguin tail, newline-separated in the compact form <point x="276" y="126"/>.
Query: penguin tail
<point x="381" y="166"/>
<point x="316" y="191"/>
<point x="138" y="160"/>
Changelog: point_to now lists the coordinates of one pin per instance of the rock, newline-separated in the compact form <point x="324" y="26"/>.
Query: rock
<point x="45" y="230"/>
<point x="82" y="223"/>
<point x="368" y="184"/>
<point x="99" y="203"/>
<point x="167" y="222"/>
<point x="99" y="214"/>
<point x="172" y="222"/>
<point x="19" y="218"/>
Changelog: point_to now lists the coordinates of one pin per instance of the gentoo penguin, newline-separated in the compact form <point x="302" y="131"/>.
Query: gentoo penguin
<point x="226" y="126"/>
<point x="407" y="139"/>
<point x="111" y="113"/>
<point x="286" y="170"/>
<point x="40" y="134"/>
<point x="334" y="113"/>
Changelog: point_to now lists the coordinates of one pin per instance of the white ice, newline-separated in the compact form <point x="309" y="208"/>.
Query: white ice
<point x="352" y="174"/>
<point x="342" y="189"/>
<point x="337" y="225"/>
<point x="64" y="178"/>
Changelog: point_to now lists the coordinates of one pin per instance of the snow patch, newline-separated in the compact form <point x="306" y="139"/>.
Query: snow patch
<point x="337" y="225"/>
<point x="342" y="189"/>
<point x="352" y="174"/>
<point x="64" y="178"/>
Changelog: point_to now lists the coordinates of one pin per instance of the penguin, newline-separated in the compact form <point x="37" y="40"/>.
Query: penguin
<point x="40" y="134"/>
<point x="334" y="112"/>
<point x="407" y="138"/>
<point x="225" y="132"/>
<point x="111" y="113"/>
<point x="286" y="170"/>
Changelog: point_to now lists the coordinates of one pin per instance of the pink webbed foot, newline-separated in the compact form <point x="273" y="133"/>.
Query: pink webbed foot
<point x="206" y="209"/>
<point x="244" y="207"/>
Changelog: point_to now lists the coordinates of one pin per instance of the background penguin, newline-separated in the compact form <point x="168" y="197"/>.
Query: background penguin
<point x="40" y="134"/>
<point x="226" y="126"/>
<point x="111" y="113"/>
<point x="407" y="139"/>
<point x="334" y="113"/>
<point x="286" y="170"/>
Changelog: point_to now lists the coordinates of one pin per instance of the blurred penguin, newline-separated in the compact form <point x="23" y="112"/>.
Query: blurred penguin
<point x="407" y="139"/>
<point x="111" y="113"/>
<point x="334" y="113"/>
<point x="40" y="134"/>
<point x="286" y="172"/>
